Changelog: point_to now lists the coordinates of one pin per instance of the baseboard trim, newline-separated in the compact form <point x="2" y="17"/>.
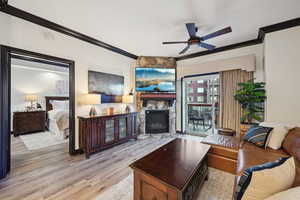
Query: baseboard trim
<point x="77" y="152"/>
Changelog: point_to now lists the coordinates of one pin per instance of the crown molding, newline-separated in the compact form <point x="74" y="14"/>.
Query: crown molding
<point x="277" y="27"/>
<point x="260" y="39"/>
<point x="220" y="49"/>
<point x="6" y="8"/>
<point x="61" y="29"/>
<point x="3" y="3"/>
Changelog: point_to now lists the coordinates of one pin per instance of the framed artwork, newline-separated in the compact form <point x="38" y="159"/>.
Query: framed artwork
<point x="110" y="86"/>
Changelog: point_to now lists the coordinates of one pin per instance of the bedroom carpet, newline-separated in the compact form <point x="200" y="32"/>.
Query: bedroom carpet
<point x="41" y="140"/>
<point x="218" y="187"/>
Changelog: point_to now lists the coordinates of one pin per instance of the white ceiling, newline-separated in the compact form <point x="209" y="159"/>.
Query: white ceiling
<point x="140" y="26"/>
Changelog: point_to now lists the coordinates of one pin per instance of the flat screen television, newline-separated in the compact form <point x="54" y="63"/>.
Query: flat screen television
<point x="155" y="79"/>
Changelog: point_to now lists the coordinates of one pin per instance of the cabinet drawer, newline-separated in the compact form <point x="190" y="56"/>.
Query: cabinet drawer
<point x="25" y="122"/>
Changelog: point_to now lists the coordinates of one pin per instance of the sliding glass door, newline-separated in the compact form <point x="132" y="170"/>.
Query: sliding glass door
<point x="201" y="104"/>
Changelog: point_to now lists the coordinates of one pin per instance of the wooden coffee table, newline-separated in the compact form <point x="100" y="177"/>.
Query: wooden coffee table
<point x="175" y="171"/>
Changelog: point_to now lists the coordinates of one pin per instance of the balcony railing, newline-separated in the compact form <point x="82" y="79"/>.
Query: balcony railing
<point x="202" y="117"/>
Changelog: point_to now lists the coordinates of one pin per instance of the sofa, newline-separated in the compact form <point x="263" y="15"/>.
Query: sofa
<point x="250" y="155"/>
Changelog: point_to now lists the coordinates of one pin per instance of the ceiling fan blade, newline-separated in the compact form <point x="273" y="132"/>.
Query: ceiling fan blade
<point x="176" y="42"/>
<point x="217" y="33"/>
<point x="206" y="46"/>
<point x="191" y="29"/>
<point x="185" y="49"/>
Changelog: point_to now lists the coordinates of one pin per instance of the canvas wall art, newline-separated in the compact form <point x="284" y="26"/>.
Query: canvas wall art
<point x="110" y="86"/>
<point x="155" y="79"/>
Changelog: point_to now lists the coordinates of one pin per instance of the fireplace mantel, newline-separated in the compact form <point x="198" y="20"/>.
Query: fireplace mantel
<point x="170" y="97"/>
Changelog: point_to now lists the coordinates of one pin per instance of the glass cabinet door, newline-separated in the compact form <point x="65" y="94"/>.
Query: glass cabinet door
<point x="122" y="128"/>
<point x="109" y="130"/>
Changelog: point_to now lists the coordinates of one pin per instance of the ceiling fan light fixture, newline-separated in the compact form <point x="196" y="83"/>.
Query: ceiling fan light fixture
<point x="194" y="39"/>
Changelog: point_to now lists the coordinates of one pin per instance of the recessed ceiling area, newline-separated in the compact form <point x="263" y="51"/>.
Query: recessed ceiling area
<point x="140" y="26"/>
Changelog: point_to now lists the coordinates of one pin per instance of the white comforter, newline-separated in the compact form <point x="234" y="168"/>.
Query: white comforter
<point x="61" y="117"/>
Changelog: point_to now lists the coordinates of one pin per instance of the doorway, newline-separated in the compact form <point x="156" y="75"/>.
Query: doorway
<point x="10" y="57"/>
<point x="200" y="104"/>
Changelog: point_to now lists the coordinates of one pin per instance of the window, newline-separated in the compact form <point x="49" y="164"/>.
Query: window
<point x="200" y="90"/>
<point x="190" y="99"/>
<point x="200" y="99"/>
<point x="191" y="90"/>
<point x="200" y="81"/>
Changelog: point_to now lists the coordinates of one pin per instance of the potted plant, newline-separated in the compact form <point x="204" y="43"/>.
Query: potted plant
<point x="251" y="96"/>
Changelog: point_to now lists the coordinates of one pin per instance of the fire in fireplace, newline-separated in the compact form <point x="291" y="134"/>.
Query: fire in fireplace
<point x="157" y="121"/>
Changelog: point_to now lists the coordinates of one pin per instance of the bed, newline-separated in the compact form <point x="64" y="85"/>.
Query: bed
<point x="57" y="109"/>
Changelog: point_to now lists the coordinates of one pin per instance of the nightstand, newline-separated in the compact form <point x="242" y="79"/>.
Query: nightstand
<point x="29" y="122"/>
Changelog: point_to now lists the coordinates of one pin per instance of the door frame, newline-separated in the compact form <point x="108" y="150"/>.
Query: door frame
<point x="183" y="94"/>
<point x="6" y="54"/>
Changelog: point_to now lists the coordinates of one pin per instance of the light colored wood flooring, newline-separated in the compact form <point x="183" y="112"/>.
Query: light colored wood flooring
<point x="51" y="174"/>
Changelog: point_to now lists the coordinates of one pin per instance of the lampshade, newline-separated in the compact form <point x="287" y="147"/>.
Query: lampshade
<point x="128" y="99"/>
<point x="31" y="97"/>
<point x="91" y="99"/>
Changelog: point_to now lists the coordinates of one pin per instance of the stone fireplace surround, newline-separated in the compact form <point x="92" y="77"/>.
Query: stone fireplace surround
<point x="156" y="101"/>
<point x="157" y="105"/>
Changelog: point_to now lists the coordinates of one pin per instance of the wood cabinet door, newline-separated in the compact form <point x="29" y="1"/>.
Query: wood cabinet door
<point x="109" y="131"/>
<point x="133" y="125"/>
<point x="123" y="128"/>
<point x="96" y="133"/>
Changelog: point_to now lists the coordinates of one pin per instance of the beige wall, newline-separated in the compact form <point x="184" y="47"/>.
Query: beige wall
<point x="246" y="62"/>
<point x="250" y="58"/>
<point x="21" y="34"/>
<point x="282" y="64"/>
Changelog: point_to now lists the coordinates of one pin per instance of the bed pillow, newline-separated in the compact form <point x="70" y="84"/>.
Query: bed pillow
<point x="60" y="105"/>
<point x="290" y="194"/>
<point x="277" y="135"/>
<point x="262" y="181"/>
<point x="258" y="135"/>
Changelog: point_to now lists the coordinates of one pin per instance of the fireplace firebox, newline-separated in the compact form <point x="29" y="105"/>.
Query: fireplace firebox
<point x="157" y="121"/>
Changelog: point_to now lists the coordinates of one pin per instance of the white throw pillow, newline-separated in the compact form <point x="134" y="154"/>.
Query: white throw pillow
<point x="291" y="194"/>
<point x="277" y="135"/>
<point x="267" y="182"/>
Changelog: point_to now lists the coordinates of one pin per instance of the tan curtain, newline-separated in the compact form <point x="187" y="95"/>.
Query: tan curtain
<point x="230" y="109"/>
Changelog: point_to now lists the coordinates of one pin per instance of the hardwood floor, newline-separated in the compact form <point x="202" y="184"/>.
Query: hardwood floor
<point x="51" y="174"/>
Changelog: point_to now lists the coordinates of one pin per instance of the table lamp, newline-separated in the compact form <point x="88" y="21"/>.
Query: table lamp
<point x="92" y="99"/>
<point x="31" y="98"/>
<point x="127" y="99"/>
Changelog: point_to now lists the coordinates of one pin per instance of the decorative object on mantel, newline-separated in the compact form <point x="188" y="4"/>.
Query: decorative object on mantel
<point x="251" y="96"/>
<point x="128" y="99"/>
<point x="110" y="86"/>
<point x="91" y="99"/>
<point x="110" y="111"/>
<point x="31" y="98"/>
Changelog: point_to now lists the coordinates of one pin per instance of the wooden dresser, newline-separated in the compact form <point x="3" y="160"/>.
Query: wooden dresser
<point x="105" y="131"/>
<point x="28" y="122"/>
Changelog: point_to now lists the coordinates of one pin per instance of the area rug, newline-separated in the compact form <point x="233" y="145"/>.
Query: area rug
<point x="41" y="140"/>
<point x="218" y="187"/>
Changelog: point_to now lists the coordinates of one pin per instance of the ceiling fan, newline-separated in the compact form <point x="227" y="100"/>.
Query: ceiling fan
<point x="194" y="39"/>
